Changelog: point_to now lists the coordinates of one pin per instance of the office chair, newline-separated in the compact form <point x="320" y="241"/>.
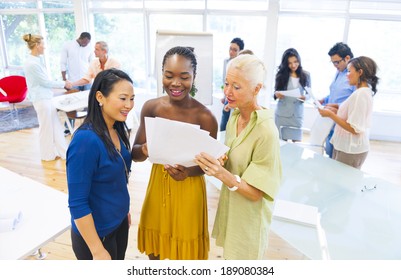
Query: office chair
<point x="13" y="89"/>
<point x="317" y="134"/>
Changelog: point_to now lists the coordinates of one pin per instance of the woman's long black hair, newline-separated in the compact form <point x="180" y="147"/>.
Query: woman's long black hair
<point x="104" y="82"/>
<point x="283" y="74"/>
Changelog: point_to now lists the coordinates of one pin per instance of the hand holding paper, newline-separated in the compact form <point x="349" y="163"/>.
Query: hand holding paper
<point x="173" y="142"/>
<point x="296" y="93"/>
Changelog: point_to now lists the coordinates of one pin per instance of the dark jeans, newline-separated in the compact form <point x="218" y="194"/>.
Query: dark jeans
<point x="115" y="243"/>
<point x="329" y="146"/>
<point x="224" y="117"/>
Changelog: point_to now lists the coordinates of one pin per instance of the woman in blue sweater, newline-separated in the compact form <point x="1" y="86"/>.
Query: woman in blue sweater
<point x="98" y="166"/>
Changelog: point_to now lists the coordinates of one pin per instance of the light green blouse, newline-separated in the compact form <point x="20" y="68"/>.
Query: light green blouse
<point x="241" y="226"/>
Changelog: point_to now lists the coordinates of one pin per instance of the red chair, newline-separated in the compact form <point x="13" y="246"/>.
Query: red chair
<point x="13" y="89"/>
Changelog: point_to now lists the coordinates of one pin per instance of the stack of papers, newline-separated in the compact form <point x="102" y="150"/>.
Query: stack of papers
<point x="173" y="142"/>
<point x="296" y="212"/>
<point x="291" y="93"/>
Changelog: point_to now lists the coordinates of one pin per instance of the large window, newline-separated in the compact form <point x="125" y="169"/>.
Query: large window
<point x="224" y="29"/>
<point x="124" y="34"/>
<point x="370" y="27"/>
<point x="53" y="20"/>
<point x="312" y="37"/>
<point x="381" y="41"/>
<point x="14" y="27"/>
<point x="59" y="29"/>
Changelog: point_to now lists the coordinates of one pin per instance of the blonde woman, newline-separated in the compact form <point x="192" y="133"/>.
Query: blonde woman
<point x="251" y="173"/>
<point x="51" y="136"/>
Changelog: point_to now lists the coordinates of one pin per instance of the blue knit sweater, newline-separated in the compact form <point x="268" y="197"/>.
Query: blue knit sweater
<point x="96" y="182"/>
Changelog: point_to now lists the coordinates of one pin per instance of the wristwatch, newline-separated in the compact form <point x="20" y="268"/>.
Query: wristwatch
<point x="234" y="188"/>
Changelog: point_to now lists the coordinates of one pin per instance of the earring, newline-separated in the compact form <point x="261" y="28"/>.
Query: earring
<point x="193" y="90"/>
<point x="100" y="104"/>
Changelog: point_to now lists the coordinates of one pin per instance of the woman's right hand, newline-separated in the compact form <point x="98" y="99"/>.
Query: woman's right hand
<point x="209" y="164"/>
<point x="103" y="254"/>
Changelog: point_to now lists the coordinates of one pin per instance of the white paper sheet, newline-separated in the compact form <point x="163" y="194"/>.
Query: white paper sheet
<point x="291" y="93"/>
<point x="173" y="142"/>
<point x="314" y="99"/>
<point x="296" y="212"/>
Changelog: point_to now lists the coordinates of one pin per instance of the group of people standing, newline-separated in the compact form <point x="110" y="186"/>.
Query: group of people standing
<point x="78" y="69"/>
<point x="349" y="104"/>
<point x="174" y="217"/>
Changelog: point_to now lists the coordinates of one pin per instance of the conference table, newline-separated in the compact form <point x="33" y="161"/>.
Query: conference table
<point x="70" y="102"/>
<point x="44" y="215"/>
<point x="360" y="215"/>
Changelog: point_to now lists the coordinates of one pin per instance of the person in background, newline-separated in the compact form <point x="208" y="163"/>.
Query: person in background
<point x="353" y="118"/>
<point x="98" y="167"/>
<point x="251" y="173"/>
<point x="340" y="89"/>
<point x="100" y="63"/>
<point x="51" y="137"/>
<point x="289" y="113"/>
<point x="236" y="45"/>
<point x="174" y="216"/>
<point x="75" y="58"/>
<point x="74" y="62"/>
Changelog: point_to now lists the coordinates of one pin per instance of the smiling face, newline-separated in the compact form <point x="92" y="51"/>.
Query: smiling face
<point x="293" y="63"/>
<point x="99" y="52"/>
<point x="116" y="106"/>
<point x="238" y="90"/>
<point x="178" y="76"/>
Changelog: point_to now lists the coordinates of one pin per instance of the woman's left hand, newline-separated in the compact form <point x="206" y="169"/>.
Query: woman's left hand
<point x="209" y="164"/>
<point x="178" y="172"/>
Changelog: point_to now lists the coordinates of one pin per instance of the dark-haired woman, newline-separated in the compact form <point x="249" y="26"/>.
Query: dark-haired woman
<point x="174" y="218"/>
<point x="98" y="166"/>
<point x="353" y="118"/>
<point x="290" y="110"/>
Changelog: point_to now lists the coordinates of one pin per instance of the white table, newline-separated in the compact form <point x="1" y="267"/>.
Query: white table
<point x="70" y="102"/>
<point x="79" y="100"/>
<point x="45" y="215"/>
<point x="360" y="214"/>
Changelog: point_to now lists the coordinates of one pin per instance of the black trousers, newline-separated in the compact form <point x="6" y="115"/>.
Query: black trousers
<point x="115" y="243"/>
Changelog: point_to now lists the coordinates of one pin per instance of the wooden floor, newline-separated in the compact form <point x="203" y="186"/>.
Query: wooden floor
<point x="19" y="153"/>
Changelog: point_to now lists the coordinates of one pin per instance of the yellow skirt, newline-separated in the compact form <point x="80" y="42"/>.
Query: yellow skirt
<point x="174" y="221"/>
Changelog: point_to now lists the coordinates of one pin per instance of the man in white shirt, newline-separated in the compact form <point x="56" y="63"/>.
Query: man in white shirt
<point x="100" y="63"/>
<point x="75" y="58"/>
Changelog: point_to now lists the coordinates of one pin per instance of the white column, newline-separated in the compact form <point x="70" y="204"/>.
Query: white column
<point x="270" y="50"/>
